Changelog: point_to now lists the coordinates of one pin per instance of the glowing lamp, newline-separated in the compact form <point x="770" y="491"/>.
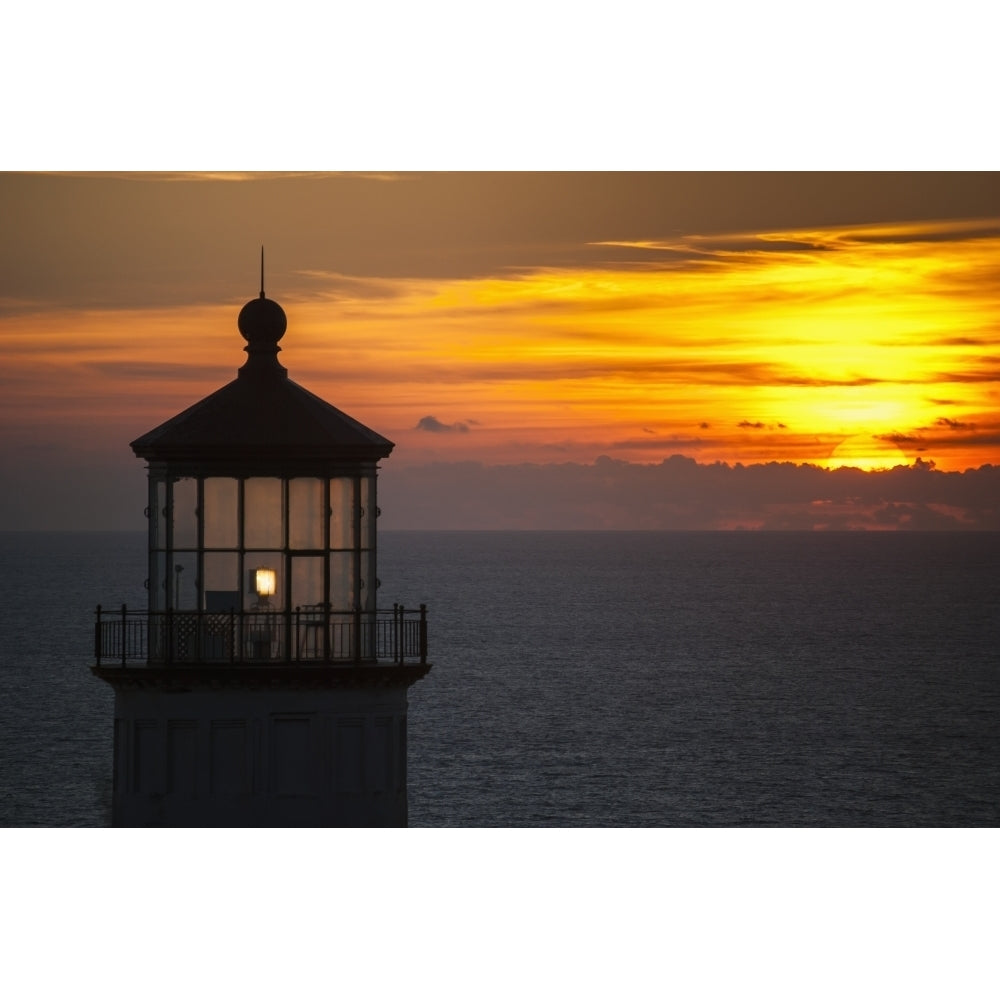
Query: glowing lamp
<point x="265" y="582"/>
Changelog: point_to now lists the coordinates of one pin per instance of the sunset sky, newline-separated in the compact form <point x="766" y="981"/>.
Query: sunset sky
<point x="545" y="318"/>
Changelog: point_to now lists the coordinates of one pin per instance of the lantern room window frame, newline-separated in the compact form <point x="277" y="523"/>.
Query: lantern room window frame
<point x="178" y="553"/>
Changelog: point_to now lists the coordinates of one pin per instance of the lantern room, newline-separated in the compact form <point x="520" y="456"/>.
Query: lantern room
<point x="262" y="502"/>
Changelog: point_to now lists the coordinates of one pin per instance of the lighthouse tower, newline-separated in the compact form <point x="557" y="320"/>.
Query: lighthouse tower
<point x="263" y="685"/>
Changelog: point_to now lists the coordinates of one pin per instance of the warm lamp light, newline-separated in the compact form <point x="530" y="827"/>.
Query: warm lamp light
<point x="266" y="580"/>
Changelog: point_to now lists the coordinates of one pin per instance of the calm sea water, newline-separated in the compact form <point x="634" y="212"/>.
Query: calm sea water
<point x="600" y="678"/>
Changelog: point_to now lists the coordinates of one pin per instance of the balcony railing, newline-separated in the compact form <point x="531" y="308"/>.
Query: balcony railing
<point x="311" y="635"/>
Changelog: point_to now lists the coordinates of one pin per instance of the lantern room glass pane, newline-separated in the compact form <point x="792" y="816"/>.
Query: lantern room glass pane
<point x="368" y="597"/>
<point x="369" y="512"/>
<point x="263" y="514"/>
<point x="221" y="513"/>
<point x="307" y="582"/>
<point x="158" y="514"/>
<point x="157" y="581"/>
<point x="183" y="581"/>
<point x="305" y="513"/>
<point x="342" y="597"/>
<point x="222" y="581"/>
<point x="341" y="513"/>
<point x="185" y="513"/>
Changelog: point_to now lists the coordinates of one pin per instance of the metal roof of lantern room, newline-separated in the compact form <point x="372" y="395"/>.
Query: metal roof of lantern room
<point x="262" y="421"/>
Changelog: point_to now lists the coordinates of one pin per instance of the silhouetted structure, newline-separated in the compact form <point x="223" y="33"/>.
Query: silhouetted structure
<point x="262" y="685"/>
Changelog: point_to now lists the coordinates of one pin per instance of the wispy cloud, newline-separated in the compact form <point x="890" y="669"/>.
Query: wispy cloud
<point x="168" y="371"/>
<point x="215" y="176"/>
<point x="954" y="425"/>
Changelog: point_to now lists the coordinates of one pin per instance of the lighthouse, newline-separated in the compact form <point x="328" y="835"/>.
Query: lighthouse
<point x="264" y="685"/>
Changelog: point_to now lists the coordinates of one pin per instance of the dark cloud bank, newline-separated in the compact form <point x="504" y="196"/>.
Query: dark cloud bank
<point x="680" y="494"/>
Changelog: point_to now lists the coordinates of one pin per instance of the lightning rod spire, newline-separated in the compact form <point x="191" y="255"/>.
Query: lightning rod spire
<point x="262" y="271"/>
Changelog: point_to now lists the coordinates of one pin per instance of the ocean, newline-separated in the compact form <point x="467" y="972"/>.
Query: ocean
<point x="599" y="679"/>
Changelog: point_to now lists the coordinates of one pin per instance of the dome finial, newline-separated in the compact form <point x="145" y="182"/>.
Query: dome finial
<point x="262" y="323"/>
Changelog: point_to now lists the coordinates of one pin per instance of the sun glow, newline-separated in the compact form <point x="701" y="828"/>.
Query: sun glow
<point x="749" y="356"/>
<point x="867" y="453"/>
